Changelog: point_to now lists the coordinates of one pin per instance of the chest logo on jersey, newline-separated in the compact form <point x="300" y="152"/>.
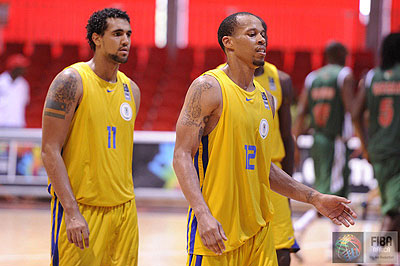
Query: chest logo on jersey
<point x="265" y="100"/>
<point x="264" y="128"/>
<point x="126" y="111"/>
<point x="272" y="83"/>
<point x="126" y="92"/>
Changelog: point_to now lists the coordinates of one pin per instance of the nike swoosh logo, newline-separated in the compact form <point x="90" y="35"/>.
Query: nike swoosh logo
<point x="248" y="99"/>
<point x="110" y="90"/>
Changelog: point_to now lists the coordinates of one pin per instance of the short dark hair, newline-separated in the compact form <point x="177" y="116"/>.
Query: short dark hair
<point x="97" y="22"/>
<point x="228" y="25"/>
<point x="336" y="53"/>
<point x="390" y="51"/>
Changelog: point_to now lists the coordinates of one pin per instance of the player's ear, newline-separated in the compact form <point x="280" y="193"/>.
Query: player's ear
<point x="96" y="38"/>
<point x="228" y="42"/>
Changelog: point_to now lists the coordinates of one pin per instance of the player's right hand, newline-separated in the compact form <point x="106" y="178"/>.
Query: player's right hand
<point x="211" y="233"/>
<point x="77" y="229"/>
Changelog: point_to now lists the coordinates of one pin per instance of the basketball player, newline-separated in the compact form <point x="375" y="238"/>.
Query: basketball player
<point x="380" y="95"/>
<point x="222" y="157"/>
<point x="279" y="84"/>
<point x="87" y="142"/>
<point x="327" y="96"/>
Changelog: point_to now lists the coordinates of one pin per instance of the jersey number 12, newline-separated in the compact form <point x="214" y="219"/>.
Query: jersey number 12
<point x="250" y="154"/>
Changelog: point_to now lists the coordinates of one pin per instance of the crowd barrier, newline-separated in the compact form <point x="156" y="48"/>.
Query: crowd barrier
<point x="22" y="171"/>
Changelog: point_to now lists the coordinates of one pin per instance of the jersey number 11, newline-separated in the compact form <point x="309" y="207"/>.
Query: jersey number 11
<point x="111" y="131"/>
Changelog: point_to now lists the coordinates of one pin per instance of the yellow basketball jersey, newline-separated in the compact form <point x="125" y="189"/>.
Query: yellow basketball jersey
<point x="98" y="149"/>
<point x="233" y="164"/>
<point x="270" y="81"/>
<point x="282" y="222"/>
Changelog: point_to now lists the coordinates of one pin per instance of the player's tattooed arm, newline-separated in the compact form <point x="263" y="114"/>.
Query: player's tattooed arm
<point x="201" y="130"/>
<point x="310" y="196"/>
<point x="202" y="105"/>
<point x="202" y="99"/>
<point x="193" y="110"/>
<point x="61" y="102"/>
<point x="62" y="95"/>
<point x="334" y="207"/>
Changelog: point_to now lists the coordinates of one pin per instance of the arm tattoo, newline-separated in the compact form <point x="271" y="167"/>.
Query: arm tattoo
<point x="201" y="130"/>
<point x="192" y="112"/>
<point x="61" y="96"/>
<point x="310" y="196"/>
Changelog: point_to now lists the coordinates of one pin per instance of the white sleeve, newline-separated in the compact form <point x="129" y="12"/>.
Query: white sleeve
<point x="368" y="78"/>
<point x="309" y="80"/>
<point x="342" y="75"/>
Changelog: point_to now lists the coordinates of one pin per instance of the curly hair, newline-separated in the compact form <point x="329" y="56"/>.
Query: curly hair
<point x="97" y="22"/>
<point x="228" y="25"/>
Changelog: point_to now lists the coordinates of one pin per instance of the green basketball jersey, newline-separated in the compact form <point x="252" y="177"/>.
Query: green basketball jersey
<point x="324" y="99"/>
<point x="383" y="103"/>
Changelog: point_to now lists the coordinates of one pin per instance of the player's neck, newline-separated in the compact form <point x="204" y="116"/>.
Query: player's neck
<point x="240" y="74"/>
<point x="105" y="69"/>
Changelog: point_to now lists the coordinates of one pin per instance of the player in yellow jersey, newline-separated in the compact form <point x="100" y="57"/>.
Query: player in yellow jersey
<point x="279" y="84"/>
<point x="222" y="157"/>
<point x="87" y="144"/>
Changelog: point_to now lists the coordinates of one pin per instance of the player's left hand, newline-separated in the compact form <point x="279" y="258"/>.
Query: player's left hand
<point x="335" y="208"/>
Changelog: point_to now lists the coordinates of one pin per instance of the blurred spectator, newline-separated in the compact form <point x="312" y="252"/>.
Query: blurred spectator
<point x="14" y="92"/>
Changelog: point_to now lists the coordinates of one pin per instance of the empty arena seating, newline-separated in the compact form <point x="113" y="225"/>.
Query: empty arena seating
<point x="9" y="49"/>
<point x="301" y="67"/>
<point x="213" y="57"/>
<point x="276" y="57"/>
<point x="163" y="80"/>
<point x="362" y="62"/>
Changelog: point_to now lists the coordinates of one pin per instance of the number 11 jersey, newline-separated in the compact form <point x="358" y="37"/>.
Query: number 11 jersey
<point x="98" y="149"/>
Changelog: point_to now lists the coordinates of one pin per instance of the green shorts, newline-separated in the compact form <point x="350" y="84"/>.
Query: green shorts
<point x="325" y="160"/>
<point x="388" y="175"/>
<point x="322" y="153"/>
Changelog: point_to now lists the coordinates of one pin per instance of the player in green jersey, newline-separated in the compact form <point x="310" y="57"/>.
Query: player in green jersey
<point x="380" y="95"/>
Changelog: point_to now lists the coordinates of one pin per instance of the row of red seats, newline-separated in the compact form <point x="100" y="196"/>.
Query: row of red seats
<point x="163" y="79"/>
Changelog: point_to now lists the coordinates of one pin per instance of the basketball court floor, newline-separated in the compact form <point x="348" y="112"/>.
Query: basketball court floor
<point x="25" y="236"/>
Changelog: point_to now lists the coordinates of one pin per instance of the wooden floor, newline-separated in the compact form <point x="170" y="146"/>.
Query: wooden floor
<point x="25" y="237"/>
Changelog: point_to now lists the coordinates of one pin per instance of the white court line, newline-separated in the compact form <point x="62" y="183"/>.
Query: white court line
<point x="16" y="257"/>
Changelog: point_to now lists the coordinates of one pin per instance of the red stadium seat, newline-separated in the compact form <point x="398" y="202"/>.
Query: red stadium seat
<point x="301" y="67"/>
<point x="276" y="57"/>
<point x="41" y="54"/>
<point x="69" y="55"/>
<point x="362" y="62"/>
<point x="10" y="48"/>
<point x="213" y="57"/>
